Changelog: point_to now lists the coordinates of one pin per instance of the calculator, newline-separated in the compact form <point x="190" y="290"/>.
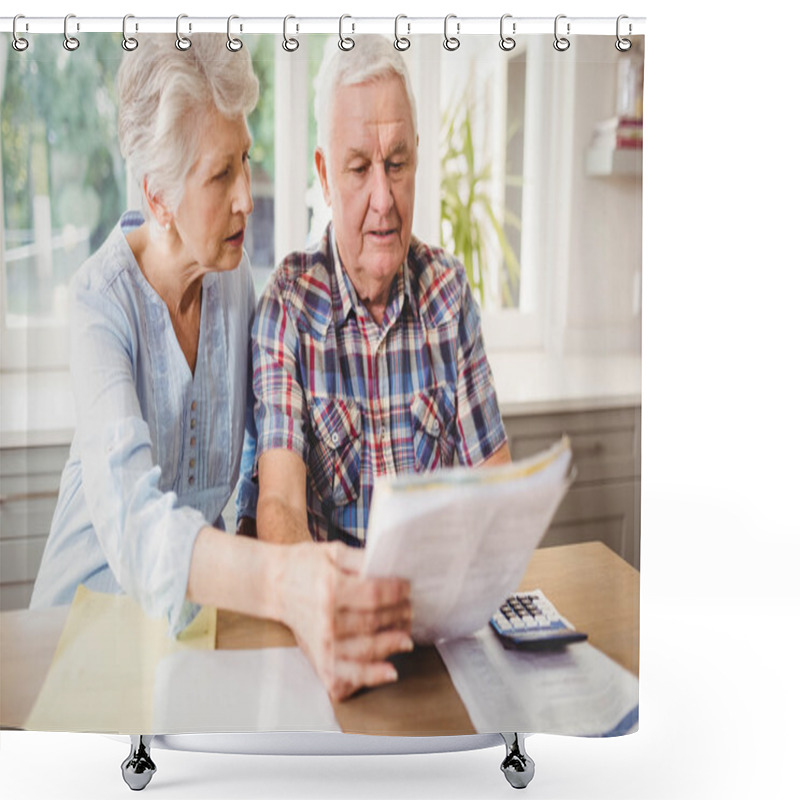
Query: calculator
<point x="529" y="621"/>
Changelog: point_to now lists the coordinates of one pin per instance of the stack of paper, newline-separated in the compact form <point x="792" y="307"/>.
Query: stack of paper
<point x="575" y="691"/>
<point x="223" y="691"/>
<point x="118" y="671"/>
<point x="101" y="678"/>
<point x="463" y="537"/>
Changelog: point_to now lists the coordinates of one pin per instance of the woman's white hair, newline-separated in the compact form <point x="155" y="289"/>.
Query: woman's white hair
<point x="163" y="95"/>
<point x="373" y="57"/>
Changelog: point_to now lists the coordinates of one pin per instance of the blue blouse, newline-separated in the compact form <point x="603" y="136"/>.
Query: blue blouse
<point x="156" y="452"/>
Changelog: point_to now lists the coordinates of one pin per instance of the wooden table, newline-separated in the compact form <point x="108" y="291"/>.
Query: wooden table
<point x="589" y="584"/>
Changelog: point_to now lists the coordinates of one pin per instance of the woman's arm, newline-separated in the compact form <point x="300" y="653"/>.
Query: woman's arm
<point x="347" y="625"/>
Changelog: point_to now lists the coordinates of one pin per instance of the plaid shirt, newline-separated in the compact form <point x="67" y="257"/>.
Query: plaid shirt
<point x="356" y="399"/>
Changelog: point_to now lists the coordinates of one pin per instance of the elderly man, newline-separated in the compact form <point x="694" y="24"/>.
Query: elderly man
<point x="368" y="358"/>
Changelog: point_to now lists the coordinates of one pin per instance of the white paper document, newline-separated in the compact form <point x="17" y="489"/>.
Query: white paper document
<point x="463" y="537"/>
<point x="225" y="691"/>
<point x="576" y="691"/>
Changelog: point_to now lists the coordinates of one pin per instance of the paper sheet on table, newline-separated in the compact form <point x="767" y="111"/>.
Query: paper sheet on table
<point x="102" y="674"/>
<point x="577" y="690"/>
<point x="225" y="691"/>
<point x="463" y="537"/>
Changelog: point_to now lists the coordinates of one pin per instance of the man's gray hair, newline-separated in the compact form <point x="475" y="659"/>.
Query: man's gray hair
<point x="371" y="58"/>
<point x="164" y="94"/>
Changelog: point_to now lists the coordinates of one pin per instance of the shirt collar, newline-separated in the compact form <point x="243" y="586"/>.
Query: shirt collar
<point x="399" y="295"/>
<point x="344" y="286"/>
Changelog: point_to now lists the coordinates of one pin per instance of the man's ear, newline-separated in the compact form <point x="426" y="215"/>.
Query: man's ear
<point x="322" y="171"/>
<point x="158" y="210"/>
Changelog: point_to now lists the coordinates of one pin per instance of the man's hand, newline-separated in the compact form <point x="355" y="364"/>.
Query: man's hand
<point x="347" y="625"/>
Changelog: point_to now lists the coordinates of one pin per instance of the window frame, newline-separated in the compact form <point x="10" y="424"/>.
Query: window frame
<point x="538" y="324"/>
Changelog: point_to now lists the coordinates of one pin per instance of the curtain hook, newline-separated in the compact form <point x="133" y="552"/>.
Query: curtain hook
<point x="70" y="42"/>
<point x="507" y="42"/>
<point x="181" y="41"/>
<point x="345" y="42"/>
<point x="401" y="42"/>
<point x="561" y="43"/>
<point x="129" y="43"/>
<point x="290" y="44"/>
<point x="623" y="45"/>
<point x="451" y="42"/>
<point x="18" y="43"/>
<point x="233" y="44"/>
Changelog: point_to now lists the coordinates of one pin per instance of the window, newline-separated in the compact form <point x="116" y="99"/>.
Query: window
<point x="500" y="181"/>
<point x="64" y="182"/>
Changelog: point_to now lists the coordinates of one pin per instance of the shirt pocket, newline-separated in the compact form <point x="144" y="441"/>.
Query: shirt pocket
<point x="432" y="419"/>
<point x="335" y="457"/>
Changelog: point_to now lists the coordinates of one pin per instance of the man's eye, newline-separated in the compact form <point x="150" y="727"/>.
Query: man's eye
<point x="396" y="165"/>
<point x="220" y="175"/>
<point x="360" y="169"/>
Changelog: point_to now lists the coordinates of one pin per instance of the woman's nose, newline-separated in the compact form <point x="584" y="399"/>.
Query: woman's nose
<point x="243" y="199"/>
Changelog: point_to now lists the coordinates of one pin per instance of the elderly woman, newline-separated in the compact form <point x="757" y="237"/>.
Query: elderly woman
<point x="160" y="343"/>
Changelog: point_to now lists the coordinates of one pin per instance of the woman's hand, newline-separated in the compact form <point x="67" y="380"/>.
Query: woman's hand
<point x="347" y="625"/>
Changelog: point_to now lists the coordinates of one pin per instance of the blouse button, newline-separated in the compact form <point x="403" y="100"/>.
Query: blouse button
<point x="193" y="441"/>
<point x="191" y="480"/>
<point x="335" y="437"/>
<point x="191" y="463"/>
<point x="193" y="423"/>
<point x="194" y="405"/>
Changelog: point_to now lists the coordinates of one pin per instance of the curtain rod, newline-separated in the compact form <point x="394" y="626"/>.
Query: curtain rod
<point x="407" y="25"/>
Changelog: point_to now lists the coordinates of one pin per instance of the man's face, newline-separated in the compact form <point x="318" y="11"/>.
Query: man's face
<point x="367" y="177"/>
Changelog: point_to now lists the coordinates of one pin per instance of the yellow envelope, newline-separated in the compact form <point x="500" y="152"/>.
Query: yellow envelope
<point x="103" y="672"/>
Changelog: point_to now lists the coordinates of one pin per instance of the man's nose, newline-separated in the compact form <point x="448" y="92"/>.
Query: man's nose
<point x="381" y="197"/>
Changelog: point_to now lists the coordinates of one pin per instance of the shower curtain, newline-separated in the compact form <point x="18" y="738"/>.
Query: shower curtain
<point x="527" y="173"/>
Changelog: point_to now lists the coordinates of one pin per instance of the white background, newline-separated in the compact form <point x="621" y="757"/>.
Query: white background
<point x="720" y="603"/>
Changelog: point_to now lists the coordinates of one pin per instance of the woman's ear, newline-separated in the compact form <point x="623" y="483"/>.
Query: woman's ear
<point x="158" y="209"/>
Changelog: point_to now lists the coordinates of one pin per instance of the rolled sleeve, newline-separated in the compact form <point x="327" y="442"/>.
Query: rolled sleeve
<point x="280" y="408"/>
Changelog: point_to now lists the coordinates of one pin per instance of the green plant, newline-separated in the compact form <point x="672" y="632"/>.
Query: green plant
<point x="469" y="222"/>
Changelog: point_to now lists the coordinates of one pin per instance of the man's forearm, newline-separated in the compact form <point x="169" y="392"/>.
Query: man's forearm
<point x="501" y="456"/>
<point x="280" y="522"/>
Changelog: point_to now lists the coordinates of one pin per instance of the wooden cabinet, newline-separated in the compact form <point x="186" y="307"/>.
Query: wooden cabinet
<point x="602" y="504"/>
<point x="604" y="501"/>
<point x="29" y="479"/>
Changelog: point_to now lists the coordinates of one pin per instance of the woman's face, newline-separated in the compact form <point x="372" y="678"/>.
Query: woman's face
<point x="212" y="216"/>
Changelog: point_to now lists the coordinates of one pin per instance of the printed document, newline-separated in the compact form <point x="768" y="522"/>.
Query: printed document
<point x="463" y="537"/>
<point x="576" y="690"/>
<point x="224" y="691"/>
